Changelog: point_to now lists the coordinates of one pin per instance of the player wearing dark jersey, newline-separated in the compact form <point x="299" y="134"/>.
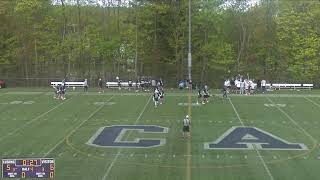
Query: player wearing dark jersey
<point x="161" y="94"/>
<point x="225" y="92"/>
<point x="100" y="85"/>
<point x="62" y="91"/>
<point x="205" y="95"/>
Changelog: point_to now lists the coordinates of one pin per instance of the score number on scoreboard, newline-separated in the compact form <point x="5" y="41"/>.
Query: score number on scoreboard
<point x="28" y="168"/>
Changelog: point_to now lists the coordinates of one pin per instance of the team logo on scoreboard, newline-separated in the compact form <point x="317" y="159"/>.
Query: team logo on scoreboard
<point x="237" y="138"/>
<point x="117" y="136"/>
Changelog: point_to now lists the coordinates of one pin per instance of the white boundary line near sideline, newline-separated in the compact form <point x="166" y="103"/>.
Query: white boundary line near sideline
<point x="33" y="120"/>
<point x="257" y="151"/>
<point x="119" y="151"/>
<point x="76" y="128"/>
<point x="294" y="122"/>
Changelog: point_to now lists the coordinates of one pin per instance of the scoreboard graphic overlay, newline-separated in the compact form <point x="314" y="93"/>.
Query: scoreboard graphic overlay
<point x="28" y="168"/>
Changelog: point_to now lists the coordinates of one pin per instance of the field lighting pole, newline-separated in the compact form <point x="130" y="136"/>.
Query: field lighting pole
<point x="189" y="52"/>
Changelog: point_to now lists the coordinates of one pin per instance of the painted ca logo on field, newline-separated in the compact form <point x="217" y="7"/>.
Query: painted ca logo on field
<point x="236" y="138"/>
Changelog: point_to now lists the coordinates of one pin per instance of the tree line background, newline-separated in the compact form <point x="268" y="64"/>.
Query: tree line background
<point x="44" y="40"/>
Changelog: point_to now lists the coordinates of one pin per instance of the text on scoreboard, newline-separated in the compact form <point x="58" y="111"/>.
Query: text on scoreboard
<point x="28" y="168"/>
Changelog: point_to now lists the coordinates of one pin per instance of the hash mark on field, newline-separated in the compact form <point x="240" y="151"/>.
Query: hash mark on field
<point x="60" y="154"/>
<point x="202" y="155"/>
<point x="218" y="156"/>
<point x="75" y="154"/>
<point x="145" y="156"/>
<point x="245" y="156"/>
<point x="131" y="155"/>
<point x="174" y="156"/>
<point x="274" y="157"/>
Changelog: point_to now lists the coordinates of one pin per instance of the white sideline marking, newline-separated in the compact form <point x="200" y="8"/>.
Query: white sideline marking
<point x="295" y="123"/>
<point x="119" y="151"/>
<point x="33" y="120"/>
<point x="257" y="151"/>
<point x="75" y="129"/>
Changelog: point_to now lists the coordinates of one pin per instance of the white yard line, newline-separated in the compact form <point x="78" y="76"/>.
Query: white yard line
<point x="33" y="120"/>
<point x="119" y="151"/>
<point x="3" y="94"/>
<point x="76" y="128"/>
<point x="257" y="151"/>
<point x="312" y="102"/>
<point x="294" y="122"/>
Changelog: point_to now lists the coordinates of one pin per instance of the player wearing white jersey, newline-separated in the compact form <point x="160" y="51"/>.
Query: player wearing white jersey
<point x="186" y="127"/>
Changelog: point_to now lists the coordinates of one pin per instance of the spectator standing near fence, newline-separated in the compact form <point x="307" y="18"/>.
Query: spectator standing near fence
<point x="242" y="87"/>
<point x="263" y="85"/>
<point x="119" y="83"/>
<point x="85" y="85"/>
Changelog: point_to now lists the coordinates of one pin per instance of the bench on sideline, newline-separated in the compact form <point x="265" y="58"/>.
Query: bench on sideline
<point x="113" y="84"/>
<point x="122" y="84"/>
<point x="291" y="86"/>
<point x="69" y="84"/>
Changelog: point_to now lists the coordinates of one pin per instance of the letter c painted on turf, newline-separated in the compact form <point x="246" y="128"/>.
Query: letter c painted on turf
<point x="117" y="136"/>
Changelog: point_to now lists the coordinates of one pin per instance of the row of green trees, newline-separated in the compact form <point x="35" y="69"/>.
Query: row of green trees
<point x="274" y="39"/>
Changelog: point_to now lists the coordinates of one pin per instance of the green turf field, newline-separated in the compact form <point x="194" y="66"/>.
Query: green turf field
<point x="33" y="124"/>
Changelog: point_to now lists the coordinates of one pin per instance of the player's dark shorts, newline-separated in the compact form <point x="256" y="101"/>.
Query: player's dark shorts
<point x="161" y="96"/>
<point x="186" y="129"/>
<point x="206" y="96"/>
<point x="156" y="99"/>
<point x="62" y="92"/>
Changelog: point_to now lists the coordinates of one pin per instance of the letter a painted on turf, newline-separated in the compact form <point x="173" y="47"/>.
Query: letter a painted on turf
<point x="241" y="138"/>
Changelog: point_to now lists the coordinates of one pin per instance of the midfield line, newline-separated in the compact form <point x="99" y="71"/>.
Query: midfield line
<point x="188" y="169"/>
<point x="76" y="128"/>
<point x="32" y="121"/>
<point x="254" y="147"/>
<point x="119" y="151"/>
<point x="295" y="122"/>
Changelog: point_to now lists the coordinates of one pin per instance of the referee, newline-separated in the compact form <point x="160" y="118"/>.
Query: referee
<point x="186" y="127"/>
